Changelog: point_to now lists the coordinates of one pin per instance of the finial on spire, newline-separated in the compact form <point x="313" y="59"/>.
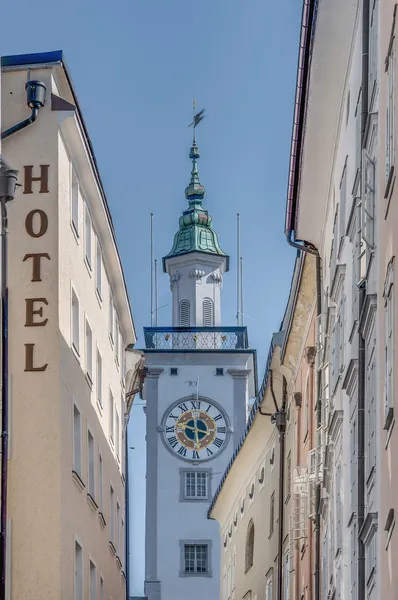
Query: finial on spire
<point x="195" y="191"/>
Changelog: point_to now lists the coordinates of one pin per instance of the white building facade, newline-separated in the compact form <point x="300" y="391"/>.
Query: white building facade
<point x="200" y="378"/>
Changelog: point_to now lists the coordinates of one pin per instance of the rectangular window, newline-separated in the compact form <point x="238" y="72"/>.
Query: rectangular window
<point x="101" y="485"/>
<point x="390" y="116"/>
<point x="339" y="509"/>
<point x="117" y="539"/>
<point x="88" y="237"/>
<point x="89" y="351"/>
<point x="90" y="464"/>
<point x="122" y="543"/>
<point x="112" y="515"/>
<point x="234" y="572"/>
<point x="389" y="345"/>
<point x="98" y="270"/>
<point x="111" y="317"/>
<point x="102" y="589"/>
<point x="288" y="475"/>
<point x="368" y="201"/>
<point x="93" y="581"/>
<point x="196" y="558"/>
<point x="353" y="464"/>
<point x="286" y="576"/>
<point x="343" y="199"/>
<point x="78" y="583"/>
<point x="196" y="485"/>
<point x="117" y="340"/>
<point x="373" y="53"/>
<point x="75" y="322"/>
<point x="77" y="441"/>
<point x="75" y="200"/>
<point x="271" y="513"/>
<point x="268" y="589"/>
<point x="123" y="359"/>
<point x="229" y="581"/>
<point x="111" y="416"/>
<point x="117" y="434"/>
<point x="99" y="378"/>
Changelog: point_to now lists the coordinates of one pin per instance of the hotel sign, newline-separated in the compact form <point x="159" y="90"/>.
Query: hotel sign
<point x="36" y="225"/>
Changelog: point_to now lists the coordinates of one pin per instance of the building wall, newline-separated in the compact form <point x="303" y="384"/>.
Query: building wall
<point x="49" y="505"/>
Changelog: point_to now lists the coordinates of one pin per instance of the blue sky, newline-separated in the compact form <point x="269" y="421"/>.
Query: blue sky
<point x="136" y="66"/>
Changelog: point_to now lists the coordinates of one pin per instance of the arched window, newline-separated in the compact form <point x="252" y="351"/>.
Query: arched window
<point x="185" y="320"/>
<point x="208" y="313"/>
<point x="249" y="546"/>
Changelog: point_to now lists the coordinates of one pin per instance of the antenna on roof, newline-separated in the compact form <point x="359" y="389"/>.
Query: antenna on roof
<point x="241" y="290"/>
<point x="238" y="269"/>
<point x="152" y="271"/>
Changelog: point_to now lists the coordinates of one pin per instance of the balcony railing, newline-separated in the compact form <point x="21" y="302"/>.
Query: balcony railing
<point x="196" y="338"/>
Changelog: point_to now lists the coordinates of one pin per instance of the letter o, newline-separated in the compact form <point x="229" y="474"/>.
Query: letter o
<point x="43" y="223"/>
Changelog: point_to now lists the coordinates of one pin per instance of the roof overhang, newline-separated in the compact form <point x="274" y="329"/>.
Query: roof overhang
<point x="335" y="22"/>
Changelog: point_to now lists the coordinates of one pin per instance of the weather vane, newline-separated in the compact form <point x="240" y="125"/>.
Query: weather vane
<point x="197" y="118"/>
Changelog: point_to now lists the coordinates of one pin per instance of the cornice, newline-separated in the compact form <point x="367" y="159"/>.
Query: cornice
<point x="351" y="377"/>
<point x="368" y="311"/>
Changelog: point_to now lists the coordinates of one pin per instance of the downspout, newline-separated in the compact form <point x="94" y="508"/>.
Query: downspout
<point x="36" y="94"/>
<point x="361" y="341"/>
<point x="317" y="569"/>
<point x="280" y="422"/>
<point x="127" y="510"/>
<point x="310" y="357"/>
<point x="300" y="105"/>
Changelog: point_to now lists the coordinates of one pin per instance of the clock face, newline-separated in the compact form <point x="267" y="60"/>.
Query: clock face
<point x="195" y="430"/>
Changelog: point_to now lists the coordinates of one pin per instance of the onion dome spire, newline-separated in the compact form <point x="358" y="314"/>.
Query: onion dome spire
<point x="195" y="233"/>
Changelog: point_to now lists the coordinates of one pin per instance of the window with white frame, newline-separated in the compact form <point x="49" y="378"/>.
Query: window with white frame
<point x="268" y="588"/>
<point x="75" y="322"/>
<point x="117" y="339"/>
<point x="390" y="111"/>
<point x="122" y="542"/>
<point x="78" y="579"/>
<point x="343" y="201"/>
<point x="99" y="378"/>
<point x="371" y="411"/>
<point x="117" y="538"/>
<point x="91" y="464"/>
<point x="88" y="238"/>
<point x="98" y="270"/>
<point x="229" y="580"/>
<point x="353" y="463"/>
<point x="339" y="509"/>
<point x="286" y="576"/>
<point x="111" y="317"/>
<point x="101" y="484"/>
<point x="111" y="416"/>
<point x="93" y="581"/>
<point x="89" y="351"/>
<point x="196" y="559"/>
<point x="358" y="132"/>
<point x="112" y="515"/>
<point x="195" y="485"/>
<point x="389" y="344"/>
<point x="74" y="200"/>
<point x="234" y="572"/>
<point x="368" y="198"/>
<point x="117" y="434"/>
<point x="77" y="441"/>
<point x="354" y="566"/>
<point x="342" y="342"/>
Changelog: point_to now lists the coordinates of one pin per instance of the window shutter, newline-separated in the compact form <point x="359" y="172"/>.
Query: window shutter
<point x="184" y="313"/>
<point x="208" y="313"/>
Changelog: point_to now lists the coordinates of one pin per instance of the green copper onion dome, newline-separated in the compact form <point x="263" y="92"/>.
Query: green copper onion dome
<point x="195" y="233"/>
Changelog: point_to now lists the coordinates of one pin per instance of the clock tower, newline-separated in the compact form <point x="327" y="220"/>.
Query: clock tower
<point x="200" y="377"/>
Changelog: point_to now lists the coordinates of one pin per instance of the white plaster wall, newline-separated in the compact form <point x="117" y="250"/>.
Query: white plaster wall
<point x="188" y="520"/>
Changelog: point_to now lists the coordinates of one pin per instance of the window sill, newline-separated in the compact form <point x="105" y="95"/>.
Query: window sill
<point x="78" y="481"/>
<point x="119" y="563"/>
<point x="389" y="433"/>
<point x="92" y="503"/>
<point x="75" y="352"/>
<point x="111" y="340"/>
<point x="112" y="549"/>
<point x="248" y="569"/>
<point x="101" y="519"/>
<point x="184" y="574"/>
<point x="389" y="418"/>
<point x="388" y="188"/>
<point x="100" y="407"/>
<point x="89" y="381"/>
<point x="75" y="232"/>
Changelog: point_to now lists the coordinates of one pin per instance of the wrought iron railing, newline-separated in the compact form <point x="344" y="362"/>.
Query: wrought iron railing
<point x="196" y="338"/>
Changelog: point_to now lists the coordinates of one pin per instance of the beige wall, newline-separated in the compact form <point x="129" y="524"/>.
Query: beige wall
<point x="47" y="509"/>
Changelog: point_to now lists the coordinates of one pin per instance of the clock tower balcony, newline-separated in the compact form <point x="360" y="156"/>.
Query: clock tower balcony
<point x="201" y="339"/>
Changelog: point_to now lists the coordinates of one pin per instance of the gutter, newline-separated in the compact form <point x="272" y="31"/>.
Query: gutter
<point x="300" y="106"/>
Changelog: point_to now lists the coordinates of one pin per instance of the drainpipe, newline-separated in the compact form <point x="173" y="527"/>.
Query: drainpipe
<point x="310" y="357"/>
<point x="36" y="94"/>
<point x="361" y="341"/>
<point x="127" y="510"/>
<point x="280" y="422"/>
<point x="317" y="569"/>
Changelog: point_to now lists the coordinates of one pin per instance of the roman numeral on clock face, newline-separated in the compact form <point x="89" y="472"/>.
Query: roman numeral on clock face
<point x="182" y="451"/>
<point x="219" y="429"/>
<point x="195" y="455"/>
<point x="172" y="441"/>
<point x="171" y="429"/>
<point x="195" y="404"/>
<point x="183" y="407"/>
<point x="218" y="417"/>
<point x="217" y="442"/>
